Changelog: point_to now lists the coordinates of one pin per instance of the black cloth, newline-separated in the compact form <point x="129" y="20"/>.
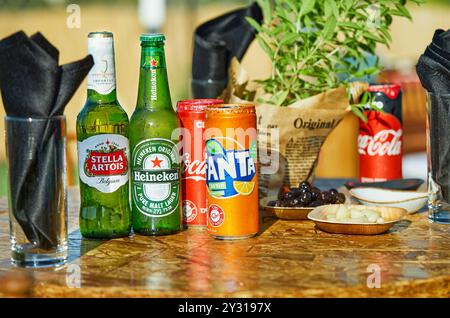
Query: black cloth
<point x="34" y="85"/>
<point x="433" y="67"/>
<point x="216" y="42"/>
<point x="433" y="70"/>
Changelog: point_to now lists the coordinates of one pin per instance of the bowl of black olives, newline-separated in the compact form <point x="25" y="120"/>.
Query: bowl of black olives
<point x="294" y="203"/>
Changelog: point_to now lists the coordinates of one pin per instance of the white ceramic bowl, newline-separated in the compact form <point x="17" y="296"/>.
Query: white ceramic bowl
<point x="411" y="201"/>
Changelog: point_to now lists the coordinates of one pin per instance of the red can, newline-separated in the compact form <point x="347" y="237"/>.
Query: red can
<point x="193" y="172"/>
<point x="380" y="139"/>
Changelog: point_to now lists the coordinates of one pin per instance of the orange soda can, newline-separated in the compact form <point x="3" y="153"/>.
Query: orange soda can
<point x="193" y="169"/>
<point x="231" y="171"/>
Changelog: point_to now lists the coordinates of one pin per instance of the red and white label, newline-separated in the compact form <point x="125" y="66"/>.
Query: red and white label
<point x="193" y="164"/>
<point x="387" y="142"/>
<point x="380" y="147"/>
<point x="390" y="90"/>
<point x="216" y="215"/>
<point x="103" y="162"/>
<point x="194" y="170"/>
<point x="106" y="164"/>
<point x="190" y="210"/>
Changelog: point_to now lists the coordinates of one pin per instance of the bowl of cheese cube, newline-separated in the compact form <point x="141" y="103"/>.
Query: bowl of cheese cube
<point x="356" y="219"/>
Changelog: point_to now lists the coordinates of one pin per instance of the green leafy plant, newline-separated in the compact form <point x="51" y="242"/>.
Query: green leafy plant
<point x="316" y="45"/>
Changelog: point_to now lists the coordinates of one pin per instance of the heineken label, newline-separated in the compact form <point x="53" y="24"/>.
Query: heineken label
<point x="103" y="162"/>
<point x="102" y="76"/>
<point x="154" y="65"/>
<point x="156" y="177"/>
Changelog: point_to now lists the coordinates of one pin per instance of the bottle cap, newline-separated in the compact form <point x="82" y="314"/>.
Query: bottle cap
<point x="102" y="34"/>
<point x="153" y="38"/>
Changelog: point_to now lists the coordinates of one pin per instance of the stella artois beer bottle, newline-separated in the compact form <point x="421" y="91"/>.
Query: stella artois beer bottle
<point x="154" y="135"/>
<point x="103" y="148"/>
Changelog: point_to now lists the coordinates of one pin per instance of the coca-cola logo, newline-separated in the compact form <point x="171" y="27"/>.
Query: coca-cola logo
<point x="385" y="142"/>
<point x="195" y="169"/>
<point x="106" y="162"/>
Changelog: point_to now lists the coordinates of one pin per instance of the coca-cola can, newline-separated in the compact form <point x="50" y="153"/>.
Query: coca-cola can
<point x="193" y="167"/>
<point x="380" y="139"/>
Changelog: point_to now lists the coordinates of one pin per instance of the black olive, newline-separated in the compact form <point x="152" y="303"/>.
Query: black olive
<point x="272" y="203"/>
<point x="292" y="203"/>
<point x="333" y="192"/>
<point x="314" y="204"/>
<point x="333" y="198"/>
<point x="304" y="185"/>
<point x="316" y="193"/>
<point x="282" y="191"/>
<point x="340" y="198"/>
<point x="333" y="195"/>
<point x="306" y="198"/>
<point x="296" y="192"/>
<point x="288" y="196"/>
<point x="326" y="197"/>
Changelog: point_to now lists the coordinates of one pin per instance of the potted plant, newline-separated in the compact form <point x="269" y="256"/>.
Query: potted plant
<point x="318" y="50"/>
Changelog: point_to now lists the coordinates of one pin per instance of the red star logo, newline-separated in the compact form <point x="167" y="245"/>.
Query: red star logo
<point x="154" y="63"/>
<point x="156" y="162"/>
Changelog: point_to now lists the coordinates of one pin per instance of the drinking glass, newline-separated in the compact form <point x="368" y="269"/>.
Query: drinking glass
<point x="37" y="192"/>
<point x="438" y="156"/>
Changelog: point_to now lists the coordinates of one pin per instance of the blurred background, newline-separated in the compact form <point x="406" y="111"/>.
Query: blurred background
<point x="178" y="19"/>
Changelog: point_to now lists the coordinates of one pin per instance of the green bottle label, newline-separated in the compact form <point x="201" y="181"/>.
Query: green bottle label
<point x="156" y="177"/>
<point x="154" y="65"/>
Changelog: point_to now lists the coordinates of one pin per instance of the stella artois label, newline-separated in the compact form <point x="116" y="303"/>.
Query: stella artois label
<point x="102" y="77"/>
<point x="156" y="177"/>
<point x="103" y="162"/>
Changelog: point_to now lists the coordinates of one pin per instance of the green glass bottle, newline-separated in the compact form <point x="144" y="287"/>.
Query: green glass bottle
<point x="154" y="137"/>
<point x="103" y="149"/>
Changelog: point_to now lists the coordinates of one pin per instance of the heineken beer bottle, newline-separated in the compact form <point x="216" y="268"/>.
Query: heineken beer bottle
<point x="154" y="135"/>
<point x="103" y="149"/>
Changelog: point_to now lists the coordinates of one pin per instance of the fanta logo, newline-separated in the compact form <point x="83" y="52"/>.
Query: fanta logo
<point x="234" y="164"/>
<point x="386" y="142"/>
<point x="229" y="172"/>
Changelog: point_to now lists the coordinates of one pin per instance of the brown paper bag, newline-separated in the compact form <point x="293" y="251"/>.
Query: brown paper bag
<point x="289" y="138"/>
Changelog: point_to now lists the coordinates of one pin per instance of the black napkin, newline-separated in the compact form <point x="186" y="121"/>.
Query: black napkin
<point x="216" y="42"/>
<point x="433" y="69"/>
<point x="33" y="85"/>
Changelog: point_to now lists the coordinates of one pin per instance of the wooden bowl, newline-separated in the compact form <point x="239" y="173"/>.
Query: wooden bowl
<point x="390" y="214"/>
<point x="285" y="213"/>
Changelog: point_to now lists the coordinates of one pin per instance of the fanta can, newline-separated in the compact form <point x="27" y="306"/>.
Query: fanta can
<point x="193" y="170"/>
<point x="231" y="171"/>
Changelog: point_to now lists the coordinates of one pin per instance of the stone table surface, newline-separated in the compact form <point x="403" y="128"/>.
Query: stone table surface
<point x="288" y="259"/>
